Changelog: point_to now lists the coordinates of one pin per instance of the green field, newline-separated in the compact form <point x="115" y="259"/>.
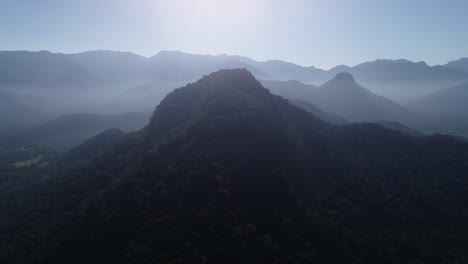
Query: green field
<point x="27" y="163"/>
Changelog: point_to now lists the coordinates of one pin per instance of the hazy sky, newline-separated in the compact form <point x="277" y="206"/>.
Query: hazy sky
<point x="322" y="33"/>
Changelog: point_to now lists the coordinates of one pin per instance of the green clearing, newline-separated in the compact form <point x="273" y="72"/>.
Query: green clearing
<point x="27" y="163"/>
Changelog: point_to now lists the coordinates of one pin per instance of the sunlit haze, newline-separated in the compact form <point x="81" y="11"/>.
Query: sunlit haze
<point x="323" y="33"/>
<point x="234" y="131"/>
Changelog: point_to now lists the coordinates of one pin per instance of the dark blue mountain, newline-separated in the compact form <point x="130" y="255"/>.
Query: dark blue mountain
<point x="226" y="172"/>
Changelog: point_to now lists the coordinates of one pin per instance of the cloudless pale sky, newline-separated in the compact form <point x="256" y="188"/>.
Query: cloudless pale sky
<point x="322" y="33"/>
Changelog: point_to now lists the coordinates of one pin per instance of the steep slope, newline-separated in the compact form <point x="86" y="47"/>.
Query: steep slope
<point x="92" y="148"/>
<point x="354" y="102"/>
<point x="286" y="71"/>
<point x="327" y="117"/>
<point x="226" y="172"/>
<point x="292" y="89"/>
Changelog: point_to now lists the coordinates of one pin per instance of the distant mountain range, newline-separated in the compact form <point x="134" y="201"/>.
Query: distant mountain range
<point x="401" y="71"/>
<point x="41" y="70"/>
<point x="110" y="66"/>
<point x="343" y="96"/>
<point x="461" y="64"/>
<point x="54" y="70"/>
<point x="38" y="86"/>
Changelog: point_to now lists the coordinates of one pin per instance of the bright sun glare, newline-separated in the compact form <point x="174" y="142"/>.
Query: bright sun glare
<point x="214" y="15"/>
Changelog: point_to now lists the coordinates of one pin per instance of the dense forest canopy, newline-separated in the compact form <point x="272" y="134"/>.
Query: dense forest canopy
<point x="227" y="172"/>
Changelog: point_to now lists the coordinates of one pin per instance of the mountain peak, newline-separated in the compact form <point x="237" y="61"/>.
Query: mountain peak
<point x="231" y="75"/>
<point x="232" y="90"/>
<point x="340" y="68"/>
<point x="168" y="52"/>
<point x="344" y="77"/>
<point x="227" y="79"/>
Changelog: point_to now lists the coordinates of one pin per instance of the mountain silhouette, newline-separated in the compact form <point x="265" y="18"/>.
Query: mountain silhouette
<point x="327" y="117"/>
<point x="404" y="70"/>
<point x="114" y="82"/>
<point x="226" y="172"/>
<point x="111" y="66"/>
<point x="461" y="65"/>
<point x="347" y="98"/>
<point x="92" y="148"/>
<point x="343" y="96"/>
<point x="21" y="68"/>
<point x="42" y="70"/>
<point x="176" y="65"/>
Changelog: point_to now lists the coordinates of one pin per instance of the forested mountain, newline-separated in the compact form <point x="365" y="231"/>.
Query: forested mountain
<point x="226" y="172"/>
<point x="392" y="125"/>
<point x="343" y="96"/>
<point x="92" y="148"/>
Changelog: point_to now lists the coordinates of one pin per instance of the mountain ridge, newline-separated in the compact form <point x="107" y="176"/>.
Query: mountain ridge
<point x="460" y="64"/>
<point x="272" y="67"/>
<point x="204" y="183"/>
<point x="134" y="83"/>
<point x="343" y="96"/>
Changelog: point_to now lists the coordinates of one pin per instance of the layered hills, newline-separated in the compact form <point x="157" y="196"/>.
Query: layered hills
<point x="226" y="172"/>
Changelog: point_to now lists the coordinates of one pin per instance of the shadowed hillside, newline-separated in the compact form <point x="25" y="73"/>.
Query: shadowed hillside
<point x="226" y="172"/>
